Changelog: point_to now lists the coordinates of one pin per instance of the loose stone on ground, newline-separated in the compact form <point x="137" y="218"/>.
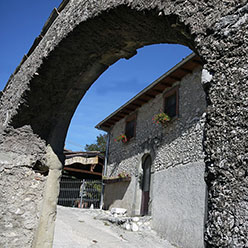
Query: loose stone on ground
<point x="118" y="216"/>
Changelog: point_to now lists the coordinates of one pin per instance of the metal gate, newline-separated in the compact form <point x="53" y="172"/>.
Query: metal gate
<point x="80" y="193"/>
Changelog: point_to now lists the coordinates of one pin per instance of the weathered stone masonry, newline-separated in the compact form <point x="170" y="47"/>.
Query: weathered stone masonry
<point x="86" y="38"/>
<point x="179" y="143"/>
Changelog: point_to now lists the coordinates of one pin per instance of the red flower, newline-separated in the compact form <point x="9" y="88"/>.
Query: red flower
<point x="161" y="118"/>
<point x="121" y="138"/>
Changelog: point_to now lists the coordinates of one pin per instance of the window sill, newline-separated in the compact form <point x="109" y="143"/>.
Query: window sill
<point x="116" y="180"/>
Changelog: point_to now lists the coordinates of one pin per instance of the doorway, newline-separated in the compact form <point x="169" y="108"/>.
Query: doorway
<point x="146" y="179"/>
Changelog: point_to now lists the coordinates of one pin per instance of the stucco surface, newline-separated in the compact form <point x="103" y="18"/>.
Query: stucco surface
<point x="179" y="204"/>
<point x="87" y="37"/>
<point x="122" y="195"/>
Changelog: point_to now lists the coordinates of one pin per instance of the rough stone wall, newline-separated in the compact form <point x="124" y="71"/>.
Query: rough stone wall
<point x="21" y="193"/>
<point x="226" y="131"/>
<point x="88" y="36"/>
<point x="179" y="143"/>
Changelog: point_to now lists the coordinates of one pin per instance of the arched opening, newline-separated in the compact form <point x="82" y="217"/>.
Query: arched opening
<point x="117" y="85"/>
<point x="176" y="178"/>
<point x="63" y="78"/>
<point x="69" y="70"/>
<point x="67" y="64"/>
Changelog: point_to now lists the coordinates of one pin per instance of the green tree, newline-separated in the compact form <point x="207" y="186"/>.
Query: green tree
<point x="100" y="144"/>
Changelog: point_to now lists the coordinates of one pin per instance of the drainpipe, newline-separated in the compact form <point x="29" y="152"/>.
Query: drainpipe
<point x="105" y="168"/>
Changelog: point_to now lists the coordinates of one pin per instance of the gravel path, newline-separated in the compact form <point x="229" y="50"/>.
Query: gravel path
<point x="81" y="228"/>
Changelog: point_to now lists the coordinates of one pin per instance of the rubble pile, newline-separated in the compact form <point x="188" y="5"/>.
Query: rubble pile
<point x="119" y="217"/>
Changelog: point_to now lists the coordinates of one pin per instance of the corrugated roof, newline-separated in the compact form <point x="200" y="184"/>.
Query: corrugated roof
<point x="167" y="80"/>
<point x="69" y="154"/>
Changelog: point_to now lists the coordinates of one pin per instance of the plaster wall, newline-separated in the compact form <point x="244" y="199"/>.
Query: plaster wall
<point x="179" y="204"/>
<point x="121" y="194"/>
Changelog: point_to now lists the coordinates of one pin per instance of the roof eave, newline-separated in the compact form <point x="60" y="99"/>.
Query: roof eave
<point x="103" y="127"/>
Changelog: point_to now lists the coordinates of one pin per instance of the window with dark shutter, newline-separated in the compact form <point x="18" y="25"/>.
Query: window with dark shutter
<point x="130" y="127"/>
<point x="171" y="103"/>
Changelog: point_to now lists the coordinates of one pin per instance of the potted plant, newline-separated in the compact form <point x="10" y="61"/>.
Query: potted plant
<point x="121" y="138"/>
<point x="161" y="118"/>
<point x="123" y="175"/>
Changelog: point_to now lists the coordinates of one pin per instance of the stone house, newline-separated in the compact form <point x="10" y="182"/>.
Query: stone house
<point x="166" y="163"/>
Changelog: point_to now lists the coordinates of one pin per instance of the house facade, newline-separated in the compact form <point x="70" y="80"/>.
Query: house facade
<point x="165" y="162"/>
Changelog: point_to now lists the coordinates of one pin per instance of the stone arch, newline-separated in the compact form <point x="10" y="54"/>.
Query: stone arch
<point x="148" y="152"/>
<point x="87" y="37"/>
<point x="64" y="76"/>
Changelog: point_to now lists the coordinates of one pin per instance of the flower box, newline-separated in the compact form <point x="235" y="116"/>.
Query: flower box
<point x="161" y="118"/>
<point x="122" y="138"/>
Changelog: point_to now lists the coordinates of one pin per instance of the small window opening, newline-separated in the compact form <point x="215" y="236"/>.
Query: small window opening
<point x="171" y="103"/>
<point x="130" y="127"/>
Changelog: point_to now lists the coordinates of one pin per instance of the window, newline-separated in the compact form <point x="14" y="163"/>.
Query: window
<point x="171" y="103"/>
<point x="130" y="126"/>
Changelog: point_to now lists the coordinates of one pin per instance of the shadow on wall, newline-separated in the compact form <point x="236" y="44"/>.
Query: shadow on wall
<point x="113" y="192"/>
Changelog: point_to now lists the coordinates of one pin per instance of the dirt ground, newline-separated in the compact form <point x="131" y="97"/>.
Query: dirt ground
<point x="82" y="228"/>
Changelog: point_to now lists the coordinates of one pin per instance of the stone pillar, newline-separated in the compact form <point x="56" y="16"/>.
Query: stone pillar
<point x="226" y="131"/>
<point x="21" y="192"/>
<point x="45" y="231"/>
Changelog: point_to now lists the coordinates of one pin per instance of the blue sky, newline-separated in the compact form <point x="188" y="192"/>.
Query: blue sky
<point x="22" y="21"/>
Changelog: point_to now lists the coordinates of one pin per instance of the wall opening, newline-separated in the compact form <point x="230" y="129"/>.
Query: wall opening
<point x="71" y="68"/>
<point x="146" y="180"/>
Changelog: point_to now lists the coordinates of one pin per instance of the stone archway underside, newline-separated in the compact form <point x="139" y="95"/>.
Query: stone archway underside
<point x="87" y="37"/>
